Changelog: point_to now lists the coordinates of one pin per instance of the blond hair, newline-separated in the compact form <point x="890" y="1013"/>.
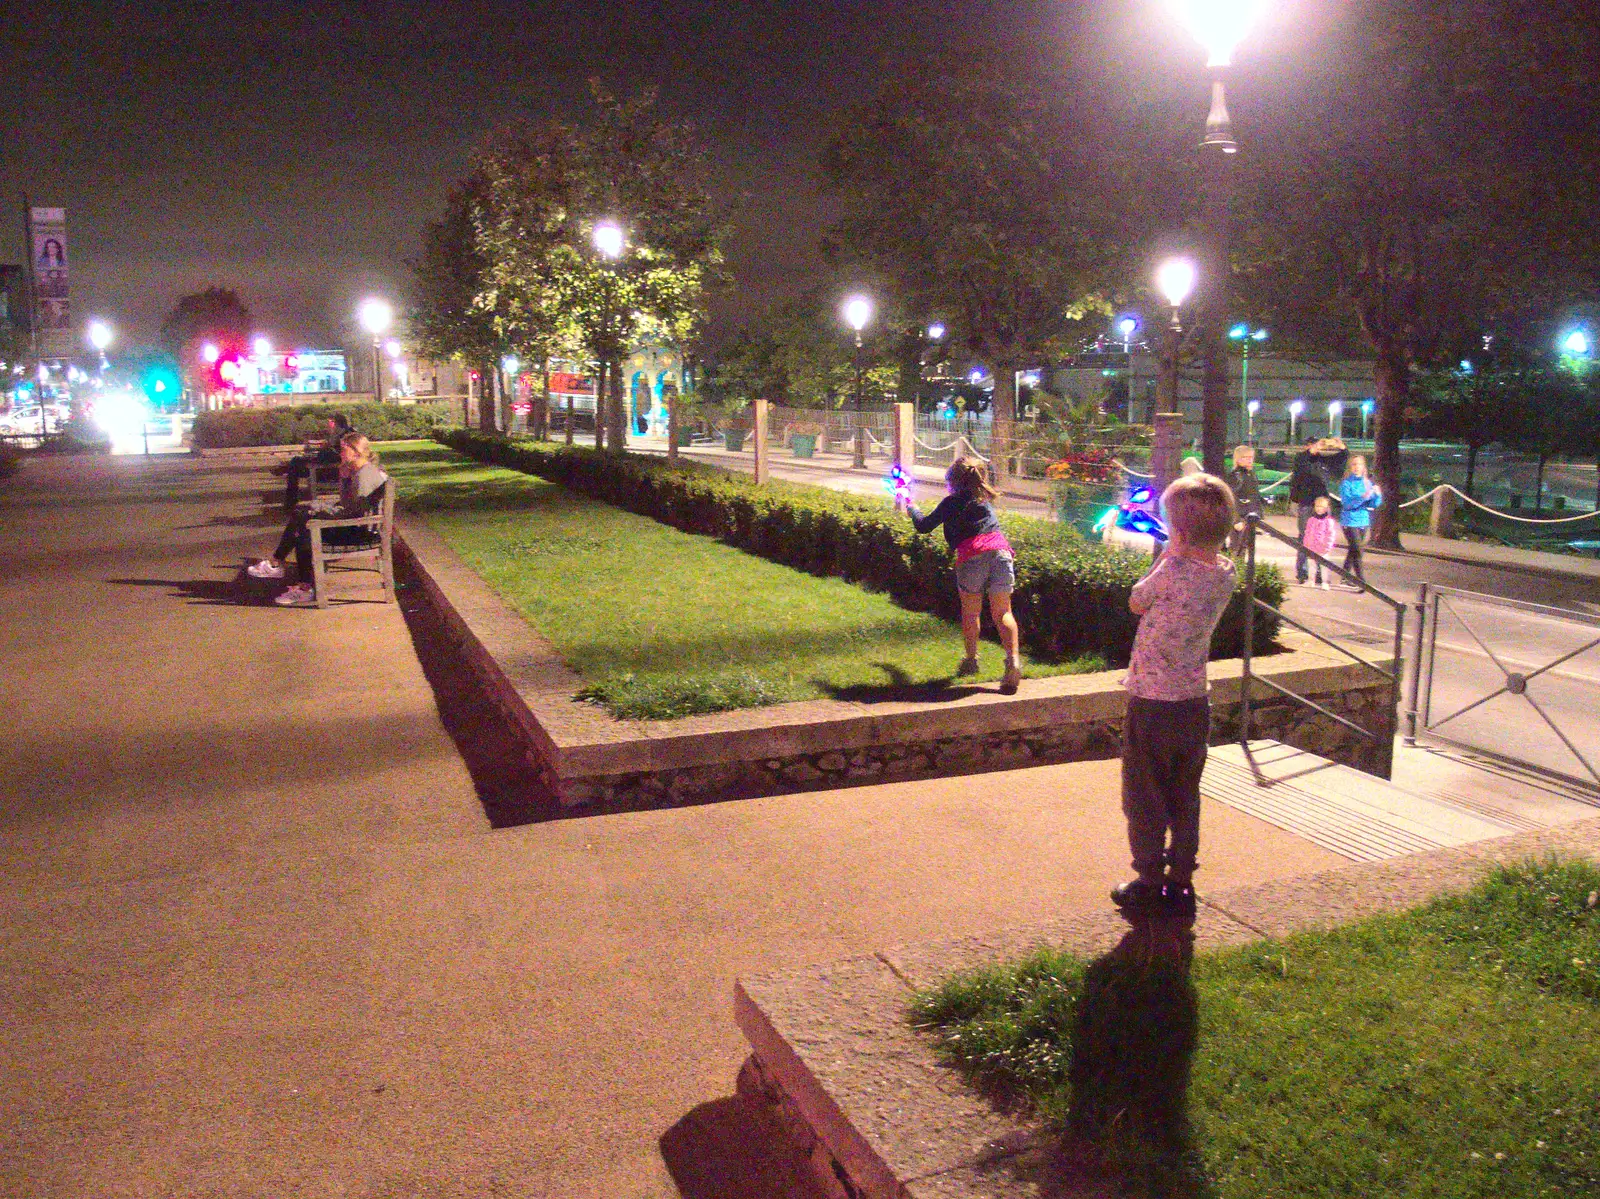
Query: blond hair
<point x="968" y="476"/>
<point x="1200" y="509"/>
<point x="1350" y="466"/>
<point x="361" y="447"/>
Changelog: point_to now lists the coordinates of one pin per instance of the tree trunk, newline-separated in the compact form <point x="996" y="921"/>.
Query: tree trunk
<point x="601" y="386"/>
<point x="1002" y="421"/>
<point x="1211" y="344"/>
<point x="1472" y="469"/>
<point x="485" y="403"/>
<point x="620" y="419"/>
<point x="1213" y="399"/>
<point x="541" y="412"/>
<point x="1393" y="379"/>
<point x="1538" y="486"/>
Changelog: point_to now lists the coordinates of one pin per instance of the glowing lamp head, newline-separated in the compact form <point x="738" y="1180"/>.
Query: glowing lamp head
<point x="1259" y="335"/>
<point x="1175" y="280"/>
<point x="857" y="312"/>
<point x="936" y="331"/>
<point x="1253" y="407"/>
<point x="262" y="347"/>
<point x="608" y="239"/>
<point x="1335" y="408"/>
<point x="1239" y="332"/>
<point x="1576" y="342"/>
<point x="375" y="315"/>
<point x="511" y="364"/>
<point x="99" y="334"/>
<point x="209" y="353"/>
<point x="1126" y="327"/>
<point x="1218" y="25"/>
<point x="1296" y="407"/>
<point x="1366" y="407"/>
<point x="392" y="348"/>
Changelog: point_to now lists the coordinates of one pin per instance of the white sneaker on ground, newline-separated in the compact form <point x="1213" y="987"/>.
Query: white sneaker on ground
<point x="298" y="596"/>
<point x="1324" y="584"/>
<point x="264" y="569"/>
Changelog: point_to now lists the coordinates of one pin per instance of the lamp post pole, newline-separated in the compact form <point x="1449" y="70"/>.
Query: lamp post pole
<point x="857" y="312"/>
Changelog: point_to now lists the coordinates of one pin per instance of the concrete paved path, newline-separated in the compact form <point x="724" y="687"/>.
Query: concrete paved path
<point x="257" y="937"/>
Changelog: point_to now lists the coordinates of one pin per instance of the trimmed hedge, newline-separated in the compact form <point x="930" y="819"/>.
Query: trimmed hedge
<point x="1071" y="597"/>
<point x="235" y="427"/>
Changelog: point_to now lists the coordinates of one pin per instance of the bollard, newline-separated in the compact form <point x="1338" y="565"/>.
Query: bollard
<point x="1441" y="521"/>
<point x="763" y="466"/>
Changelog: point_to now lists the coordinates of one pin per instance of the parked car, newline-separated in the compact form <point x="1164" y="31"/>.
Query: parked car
<point x="25" y="419"/>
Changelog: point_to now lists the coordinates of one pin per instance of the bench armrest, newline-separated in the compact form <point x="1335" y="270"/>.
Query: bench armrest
<point x="348" y="522"/>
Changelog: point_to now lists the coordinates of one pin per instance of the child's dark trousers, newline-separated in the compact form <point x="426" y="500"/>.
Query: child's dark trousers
<point x="1163" y="756"/>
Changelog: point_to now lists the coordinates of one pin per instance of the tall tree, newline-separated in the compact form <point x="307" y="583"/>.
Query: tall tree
<point x="989" y="205"/>
<point x="1473" y="402"/>
<point x="215" y="315"/>
<point x="1431" y="180"/>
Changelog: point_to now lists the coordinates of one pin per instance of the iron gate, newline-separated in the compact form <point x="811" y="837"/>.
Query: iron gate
<point x="1511" y="680"/>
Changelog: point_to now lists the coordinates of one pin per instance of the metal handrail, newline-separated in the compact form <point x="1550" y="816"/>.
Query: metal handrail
<point x="1395" y="675"/>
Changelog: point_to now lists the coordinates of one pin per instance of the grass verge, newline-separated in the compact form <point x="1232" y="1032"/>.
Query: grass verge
<point x="662" y="624"/>
<point x="1450" y="1051"/>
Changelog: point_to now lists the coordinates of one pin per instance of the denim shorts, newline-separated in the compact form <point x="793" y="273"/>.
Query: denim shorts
<point x="988" y="571"/>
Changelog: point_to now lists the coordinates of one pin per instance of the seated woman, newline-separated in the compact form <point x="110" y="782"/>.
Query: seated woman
<point x="360" y="484"/>
<point x="327" y="454"/>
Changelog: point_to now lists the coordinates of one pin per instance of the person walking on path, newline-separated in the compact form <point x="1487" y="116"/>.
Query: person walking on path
<point x="1168" y="722"/>
<point x="1320" y="534"/>
<point x="360" y="481"/>
<point x="985" y="563"/>
<point x="1246" y="493"/>
<point x="1314" y="469"/>
<point x="1358" y="498"/>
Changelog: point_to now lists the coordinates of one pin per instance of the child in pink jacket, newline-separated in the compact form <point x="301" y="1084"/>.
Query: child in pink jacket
<point x="1320" y="533"/>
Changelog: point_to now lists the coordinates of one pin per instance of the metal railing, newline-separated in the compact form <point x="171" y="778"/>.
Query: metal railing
<point x="1383" y="736"/>
<point x="1514" y="678"/>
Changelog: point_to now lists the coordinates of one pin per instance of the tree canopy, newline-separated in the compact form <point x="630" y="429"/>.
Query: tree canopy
<point x="215" y="315"/>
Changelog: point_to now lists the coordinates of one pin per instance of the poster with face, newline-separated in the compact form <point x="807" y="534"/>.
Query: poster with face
<point x="48" y="227"/>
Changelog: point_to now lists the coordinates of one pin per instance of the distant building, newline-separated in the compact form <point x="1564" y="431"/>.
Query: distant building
<point x="294" y="372"/>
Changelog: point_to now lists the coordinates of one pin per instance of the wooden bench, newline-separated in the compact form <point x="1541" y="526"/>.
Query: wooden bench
<point x="378" y="546"/>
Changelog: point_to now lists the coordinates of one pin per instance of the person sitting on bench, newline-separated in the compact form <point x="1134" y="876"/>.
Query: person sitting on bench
<point x="360" y="484"/>
<point x="299" y="467"/>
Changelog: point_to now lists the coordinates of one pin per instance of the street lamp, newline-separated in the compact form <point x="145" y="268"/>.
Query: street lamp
<point x="1175" y="280"/>
<point x="100" y="335"/>
<point x="609" y="239"/>
<point x="1335" y="419"/>
<point x="263" y="348"/>
<point x="1250" y="409"/>
<point x="936" y="331"/>
<point x="857" y="312"/>
<point x="1296" y="407"/>
<point x="1366" y="413"/>
<point x="376" y="315"/>
<point x="209" y="353"/>
<point x="1244" y="334"/>
<point x="1219" y="26"/>
<point x="1576" y="343"/>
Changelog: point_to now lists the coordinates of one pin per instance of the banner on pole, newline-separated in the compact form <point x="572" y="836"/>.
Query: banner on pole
<point x="47" y="228"/>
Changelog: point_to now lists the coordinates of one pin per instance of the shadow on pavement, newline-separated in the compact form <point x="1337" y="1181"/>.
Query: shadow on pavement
<point x="235" y="592"/>
<point x="727" y="1149"/>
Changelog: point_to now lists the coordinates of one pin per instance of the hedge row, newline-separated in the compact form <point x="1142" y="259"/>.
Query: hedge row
<point x="234" y="427"/>
<point x="1071" y="597"/>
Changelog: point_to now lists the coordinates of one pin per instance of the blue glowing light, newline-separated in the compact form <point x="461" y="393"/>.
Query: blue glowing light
<point x="898" y="484"/>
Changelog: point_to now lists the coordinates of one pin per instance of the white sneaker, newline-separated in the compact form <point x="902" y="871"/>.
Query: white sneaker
<point x="264" y="569"/>
<point x="1324" y="584"/>
<point x="298" y="596"/>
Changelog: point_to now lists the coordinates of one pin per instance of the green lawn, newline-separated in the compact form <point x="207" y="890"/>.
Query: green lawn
<point x="1450" y="1051"/>
<point x="660" y="623"/>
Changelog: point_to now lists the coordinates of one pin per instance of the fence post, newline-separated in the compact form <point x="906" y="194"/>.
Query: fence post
<point x="1247" y="652"/>
<point x="905" y="431"/>
<point x="763" y="463"/>
<point x="1441" y="520"/>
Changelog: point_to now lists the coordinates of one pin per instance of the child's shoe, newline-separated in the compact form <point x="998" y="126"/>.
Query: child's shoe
<point x="968" y="668"/>
<point x="1178" y="899"/>
<point x="1012" y="679"/>
<point x="1137" y="896"/>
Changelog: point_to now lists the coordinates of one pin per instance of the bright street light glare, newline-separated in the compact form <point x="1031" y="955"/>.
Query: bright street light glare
<point x="1296" y="407"/>
<point x="1126" y="326"/>
<point x="608" y="239"/>
<point x="1335" y="408"/>
<point x="375" y="315"/>
<point x="935" y="331"/>
<point x="99" y="334"/>
<point x="1253" y="407"/>
<point x="1218" y="25"/>
<point x="511" y="363"/>
<point x="262" y="347"/>
<point x="1175" y="280"/>
<point x="209" y="352"/>
<point x="857" y="312"/>
<point x="1239" y="332"/>
<point x="392" y="348"/>
<point x="1576" y="342"/>
<point x="1259" y="335"/>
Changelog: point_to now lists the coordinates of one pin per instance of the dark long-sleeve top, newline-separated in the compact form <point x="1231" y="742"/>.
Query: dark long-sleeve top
<point x="1246" y="491"/>
<point x="1311" y="474"/>
<point x="962" y="516"/>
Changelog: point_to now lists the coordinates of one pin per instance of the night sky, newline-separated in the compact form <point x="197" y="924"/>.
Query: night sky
<point x="293" y="151"/>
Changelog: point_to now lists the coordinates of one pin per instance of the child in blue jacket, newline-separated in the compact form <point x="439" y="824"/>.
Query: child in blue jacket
<point x="1357" y="500"/>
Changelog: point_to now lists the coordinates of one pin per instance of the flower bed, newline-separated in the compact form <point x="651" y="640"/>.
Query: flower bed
<point x="232" y="428"/>
<point x="1071" y="597"/>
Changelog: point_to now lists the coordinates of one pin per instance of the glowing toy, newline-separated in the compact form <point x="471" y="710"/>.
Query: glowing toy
<point x="898" y="484"/>
<point x="1132" y="517"/>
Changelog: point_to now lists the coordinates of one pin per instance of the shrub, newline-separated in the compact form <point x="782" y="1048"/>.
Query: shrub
<point x="1071" y="597"/>
<point x="10" y="459"/>
<point x="234" y="427"/>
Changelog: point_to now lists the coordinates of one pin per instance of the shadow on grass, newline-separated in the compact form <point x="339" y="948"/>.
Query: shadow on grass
<point x="900" y="688"/>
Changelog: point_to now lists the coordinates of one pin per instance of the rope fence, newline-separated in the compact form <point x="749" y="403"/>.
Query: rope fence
<point x="1524" y="520"/>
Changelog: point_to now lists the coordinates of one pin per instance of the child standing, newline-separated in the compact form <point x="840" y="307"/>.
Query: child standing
<point x="1319" y="534"/>
<point x="1168" y="721"/>
<point x="984" y="562"/>
<point x="1357" y="499"/>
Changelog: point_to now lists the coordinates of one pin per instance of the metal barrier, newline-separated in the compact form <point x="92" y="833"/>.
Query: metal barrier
<point x="1508" y="677"/>
<point x="1383" y="736"/>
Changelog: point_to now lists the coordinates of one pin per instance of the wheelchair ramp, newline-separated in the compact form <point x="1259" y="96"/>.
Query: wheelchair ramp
<point x="1343" y="810"/>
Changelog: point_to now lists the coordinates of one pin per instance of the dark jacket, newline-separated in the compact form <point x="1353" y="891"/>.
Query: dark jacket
<point x="1311" y="473"/>
<point x="1246" y="491"/>
<point x="962" y="516"/>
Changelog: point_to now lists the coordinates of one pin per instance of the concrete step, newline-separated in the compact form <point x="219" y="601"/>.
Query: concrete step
<point x="1358" y="815"/>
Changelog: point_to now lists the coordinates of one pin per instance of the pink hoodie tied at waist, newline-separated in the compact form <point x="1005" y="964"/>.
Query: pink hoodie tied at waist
<point x="982" y="544"/>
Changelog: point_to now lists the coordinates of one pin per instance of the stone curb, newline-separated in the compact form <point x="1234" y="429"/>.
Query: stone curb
<point x="879" y="1117"/>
